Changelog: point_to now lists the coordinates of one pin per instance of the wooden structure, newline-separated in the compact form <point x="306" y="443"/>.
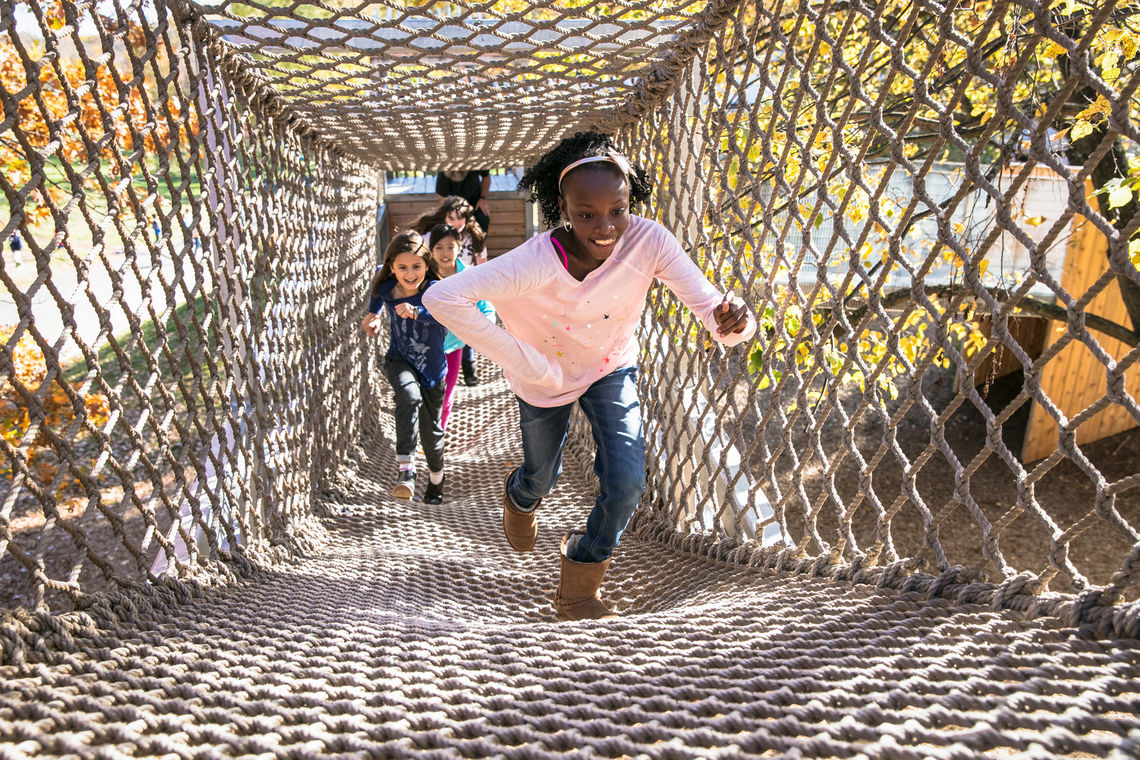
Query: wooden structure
<point x="1075" y="378"/>
<point x="512" y="214"/>
<point x="1027" y="329"/>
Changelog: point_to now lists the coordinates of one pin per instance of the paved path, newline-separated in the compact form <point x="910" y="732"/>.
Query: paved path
<point x="141" y="291"/>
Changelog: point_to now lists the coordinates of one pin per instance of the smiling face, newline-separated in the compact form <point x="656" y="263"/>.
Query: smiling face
<point x="596" y="202"/>
<point x="410" y="270"/>
<point x="445" y="252"/>
<point x="456" y="220"/>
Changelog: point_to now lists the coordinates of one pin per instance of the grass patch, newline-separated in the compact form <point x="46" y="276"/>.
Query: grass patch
<point x="179" y="365"/>
<point x="168" y="187"/>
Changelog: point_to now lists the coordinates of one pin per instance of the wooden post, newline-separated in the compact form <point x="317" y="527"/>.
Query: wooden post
<point x="508" y="216"/>
<point x="382" y="232"/>
<point x="1075" y="378"/>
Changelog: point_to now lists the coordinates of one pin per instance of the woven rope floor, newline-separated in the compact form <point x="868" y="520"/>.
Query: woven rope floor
<point x="414" y="630"/>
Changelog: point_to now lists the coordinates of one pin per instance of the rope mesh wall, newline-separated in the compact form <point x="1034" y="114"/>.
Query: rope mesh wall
<point x="406" y="86"/>
<point x="189" y="264"/>
<point x="414" y="631"/>
<point x="198" y="443"/>
<point x="198" y="220"/>
<point x="861" y="173"/>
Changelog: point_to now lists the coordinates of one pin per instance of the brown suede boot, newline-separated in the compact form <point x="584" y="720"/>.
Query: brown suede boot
<point x="578" y="596"/>
<point x="520" y="528"/>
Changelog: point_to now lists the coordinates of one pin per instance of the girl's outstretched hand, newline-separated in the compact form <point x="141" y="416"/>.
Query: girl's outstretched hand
<point x="371" y="324"/>
<point x="406" y="310"/>
<point x="731" y="316"/>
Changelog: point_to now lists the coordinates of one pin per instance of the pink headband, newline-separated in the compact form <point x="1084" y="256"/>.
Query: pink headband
<point x="612" y="157"/>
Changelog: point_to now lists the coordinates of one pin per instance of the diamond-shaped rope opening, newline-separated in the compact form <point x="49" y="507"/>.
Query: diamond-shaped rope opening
<point x="457" y="84"/>
<point x="930" y="209"/>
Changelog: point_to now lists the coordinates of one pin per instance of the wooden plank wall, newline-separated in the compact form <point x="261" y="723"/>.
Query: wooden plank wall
<point x="508" y="212"/>
<point x="1075" y="378"/>
<point x="1029" y="332"/>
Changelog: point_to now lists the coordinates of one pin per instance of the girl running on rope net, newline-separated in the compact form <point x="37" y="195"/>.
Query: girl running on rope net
<point x="445" y="244"/>
<point x="570" y="301"/>
<point x="415" y="364"/>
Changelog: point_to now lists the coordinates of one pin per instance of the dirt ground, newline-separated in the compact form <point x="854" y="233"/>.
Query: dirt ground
<point x="124" y="547"/>
<point x="1066" y="494"/>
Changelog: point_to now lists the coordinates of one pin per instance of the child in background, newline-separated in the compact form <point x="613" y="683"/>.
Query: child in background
<point x="445" y="242"/>
<point x="472" y="186"/>
<point x="570" y="301"/>
<point x="457" y="212"/>
<point x="415" y="364"/>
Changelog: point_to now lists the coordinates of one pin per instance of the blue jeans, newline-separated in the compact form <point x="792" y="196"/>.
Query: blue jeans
<point x="613" y="410"/>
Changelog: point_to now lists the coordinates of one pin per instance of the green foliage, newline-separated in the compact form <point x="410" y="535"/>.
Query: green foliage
<point x="789" y="150"/>
<point x="160" y="341"/>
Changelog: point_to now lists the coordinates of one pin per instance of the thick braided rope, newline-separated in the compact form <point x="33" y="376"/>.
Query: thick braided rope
<point x="795" y="449"/>
<point x="216" y="426"/>
<point x="416" y="631"/>
<point x="202" y="276"/>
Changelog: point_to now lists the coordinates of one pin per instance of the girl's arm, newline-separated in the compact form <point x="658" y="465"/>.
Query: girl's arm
<point x="453" y="301"/>
<point x="425" y="316"/>
<point x="370" y="324"/>
<point x="682" y="276"/>
<point x="487" y="309"/>
<point x="407" y="310"/>
<point x="371" y="321"/>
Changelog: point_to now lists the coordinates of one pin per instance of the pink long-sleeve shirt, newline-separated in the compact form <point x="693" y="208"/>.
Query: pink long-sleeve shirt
<point x="562" y="335"/>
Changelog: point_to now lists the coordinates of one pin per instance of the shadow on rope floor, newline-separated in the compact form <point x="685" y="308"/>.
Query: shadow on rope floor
<point x="417" y="632"/>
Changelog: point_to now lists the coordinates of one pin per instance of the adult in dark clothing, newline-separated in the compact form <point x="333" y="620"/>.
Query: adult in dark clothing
<point x="472" y="187"/>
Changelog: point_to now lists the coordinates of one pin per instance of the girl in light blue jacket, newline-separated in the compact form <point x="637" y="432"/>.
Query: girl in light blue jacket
<point x="445" y="242"/>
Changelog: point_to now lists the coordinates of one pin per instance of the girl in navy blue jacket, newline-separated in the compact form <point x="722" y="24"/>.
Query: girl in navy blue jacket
<point x="415" y="364"/>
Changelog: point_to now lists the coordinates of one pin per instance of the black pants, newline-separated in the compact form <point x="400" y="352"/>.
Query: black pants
<point x="416" y="404"/>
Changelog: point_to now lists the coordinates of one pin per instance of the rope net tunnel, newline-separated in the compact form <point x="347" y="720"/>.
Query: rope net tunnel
<point x="900" y="522"/>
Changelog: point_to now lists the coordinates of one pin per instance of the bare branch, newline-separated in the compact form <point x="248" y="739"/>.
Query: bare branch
<point x="897" y="298"/>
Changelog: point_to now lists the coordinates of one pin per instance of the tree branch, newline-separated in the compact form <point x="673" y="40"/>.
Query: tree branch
<point x="1030" y="305"/>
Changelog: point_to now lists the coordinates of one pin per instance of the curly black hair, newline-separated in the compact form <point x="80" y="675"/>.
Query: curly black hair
<point x="542" y="179"/>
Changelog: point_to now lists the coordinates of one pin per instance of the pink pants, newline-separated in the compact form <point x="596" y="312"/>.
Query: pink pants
<point x="453" y="362"/>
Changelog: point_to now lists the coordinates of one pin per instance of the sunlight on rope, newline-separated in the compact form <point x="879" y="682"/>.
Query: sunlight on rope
<point x="930" y="207"/>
